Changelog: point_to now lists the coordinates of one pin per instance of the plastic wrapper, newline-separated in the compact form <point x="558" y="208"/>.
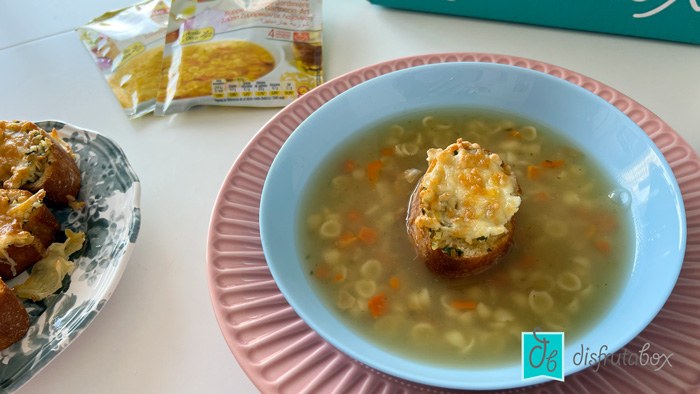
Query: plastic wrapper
<point x="127" y="46"/>
<point x="255" y="53"/>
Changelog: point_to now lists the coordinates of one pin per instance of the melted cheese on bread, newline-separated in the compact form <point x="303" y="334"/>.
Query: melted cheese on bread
<point x="468" y="194"/>
<point x="15" y="209"/>
<point x="23" y="153"/>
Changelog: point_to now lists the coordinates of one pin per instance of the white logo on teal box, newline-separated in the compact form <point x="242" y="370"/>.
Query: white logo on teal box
<point x="543" y="355"/>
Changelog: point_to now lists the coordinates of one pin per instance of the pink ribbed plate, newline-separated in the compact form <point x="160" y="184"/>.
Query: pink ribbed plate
<point x="280" y="353"/>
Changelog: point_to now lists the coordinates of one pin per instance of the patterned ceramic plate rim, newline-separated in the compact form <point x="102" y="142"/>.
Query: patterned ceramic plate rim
<point x="280" y="353"/>
<point x="111" y="220"/>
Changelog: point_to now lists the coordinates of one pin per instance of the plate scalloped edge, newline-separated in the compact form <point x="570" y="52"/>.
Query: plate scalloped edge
<point x="280" y="353"/>
<point x="111" y="220"/>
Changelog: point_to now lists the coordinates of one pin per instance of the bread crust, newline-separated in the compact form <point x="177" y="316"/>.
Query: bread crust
<point x="61" y="177"/>
<point x="14" y="319"/>
<point x="449" y="266"/>
<point x="42" y="224"/>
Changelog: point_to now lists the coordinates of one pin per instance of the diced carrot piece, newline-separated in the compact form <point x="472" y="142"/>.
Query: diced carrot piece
<point x="590" y="231"/>
<point x="515" y="134"/>
<point x="353" y="215"/>
<point x="349" y="165"/>
<point x="346" y="239"/>
<point x="604" y="222"/>
<point x="463" y="305"/>
<point x="377" y="305"/>
<point x="322" y="272"/>
<point x="533" y="172"/>
<point x="338" y="277"/>
<point x="552" y="163"/>
<point x="603" y="245"/>
<point x="527" y="261"/>
<point x="388" y="151"/>
<point x="394" y="282"/>
<point x="367" y="235"/>
<point x="373" y="168"/>
<point x="541" y="196"/>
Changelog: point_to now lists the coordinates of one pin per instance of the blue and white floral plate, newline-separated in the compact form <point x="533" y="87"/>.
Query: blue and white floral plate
<point x="110" y="219"/>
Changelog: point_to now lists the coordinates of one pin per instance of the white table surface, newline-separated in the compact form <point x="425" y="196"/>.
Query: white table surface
<point x="158" y="333"/>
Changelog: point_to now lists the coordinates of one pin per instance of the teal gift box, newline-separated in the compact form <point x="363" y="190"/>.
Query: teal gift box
<point x="672" y="20"/>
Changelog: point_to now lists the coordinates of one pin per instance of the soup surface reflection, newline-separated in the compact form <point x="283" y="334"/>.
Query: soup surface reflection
<point x="571" y="254"/>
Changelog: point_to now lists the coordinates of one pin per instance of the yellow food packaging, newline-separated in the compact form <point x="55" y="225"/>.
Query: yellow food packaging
<point x="254" y="53"/>
<point x="127" y="46"/>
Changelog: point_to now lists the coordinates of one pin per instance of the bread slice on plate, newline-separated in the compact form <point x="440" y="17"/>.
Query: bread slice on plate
<point x="32" y="159"/>
<point x="27" y="228"/>
<point x="14" y="320"/>
<point x="461" y="213"/>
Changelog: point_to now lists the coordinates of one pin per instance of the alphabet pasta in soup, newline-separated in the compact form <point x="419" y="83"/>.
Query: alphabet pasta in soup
<point x="571" y="250"/>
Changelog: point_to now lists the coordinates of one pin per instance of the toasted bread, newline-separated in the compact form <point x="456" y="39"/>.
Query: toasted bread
<point x="32" y="159"/>
<point x="465" y="230"/>
<point x="27" y="228"/>
<point x="14" y="320"/>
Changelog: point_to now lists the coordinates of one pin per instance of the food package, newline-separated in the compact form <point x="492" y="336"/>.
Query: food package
<point x="127" y="46"/>
<point x="254" y="53"/>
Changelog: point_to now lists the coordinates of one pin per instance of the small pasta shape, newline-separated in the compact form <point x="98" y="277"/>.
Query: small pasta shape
<point x="581" y="261"/>
<point x="420" y="300"/>
<point x="422" y="332"/>
<point x="371" y="269"/>
<point x="571" y="198"/>
<point x="331" y="256"/>
<point x="540" y="302"/>
<point x="397" y="130"/>
<point x="483" y="311"/>
<point x="406" y="149"/>
<point x="456" y="339"/>
<point x="466" y="318"/>
<point x="341" y="182"/>
<point x="528" y="133"/>
<point x="345" y="300"/>
<point x="412" y="174"/>
<point x="365" y="288"/>
<point x="330" y="228"/>
<point x="503" y="315"/>
<point x="568" y="281"/>
<point x="340" y="273"/>
<point x="429" y="122"/>
<point x="509" y="145"/>
<point x="587" y="292"/>
<point x="444" y="126"/>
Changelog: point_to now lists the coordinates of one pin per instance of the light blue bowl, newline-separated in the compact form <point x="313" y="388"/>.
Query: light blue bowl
<point x="600" y="129"/>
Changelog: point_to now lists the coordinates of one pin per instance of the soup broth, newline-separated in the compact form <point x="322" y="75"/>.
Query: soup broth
<point x="570" y="256"/>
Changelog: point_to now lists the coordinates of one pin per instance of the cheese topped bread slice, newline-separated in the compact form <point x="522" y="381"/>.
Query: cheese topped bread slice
<point x="461" y="213"/>
<point x="27" y="228"/>
<point x="32" y="159"/>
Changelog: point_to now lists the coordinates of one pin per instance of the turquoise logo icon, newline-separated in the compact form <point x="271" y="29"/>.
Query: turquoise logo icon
<point x="543" y="355"/>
